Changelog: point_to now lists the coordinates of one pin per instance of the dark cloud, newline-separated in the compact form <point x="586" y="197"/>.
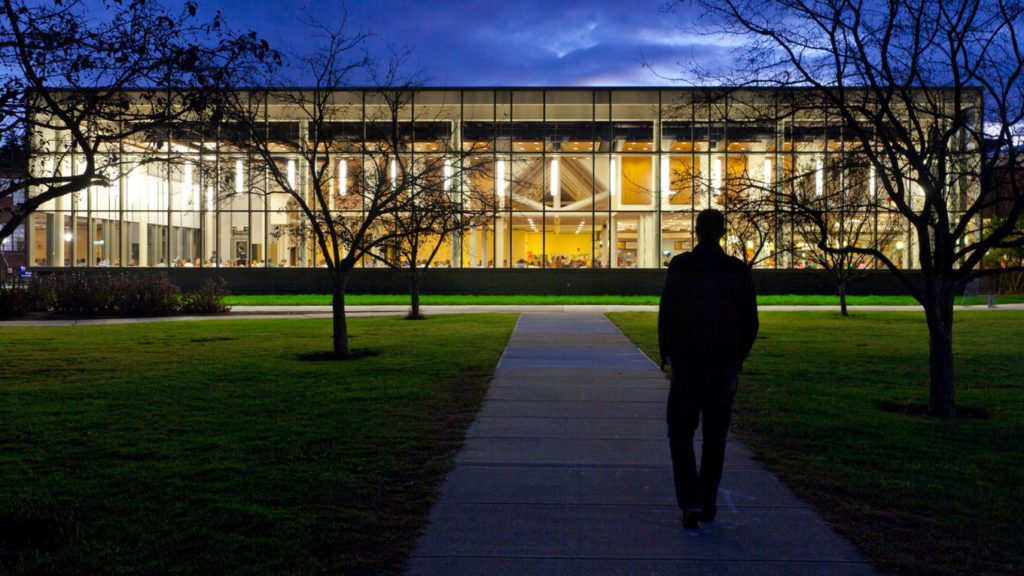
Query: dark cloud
<point x="487" y="43"/>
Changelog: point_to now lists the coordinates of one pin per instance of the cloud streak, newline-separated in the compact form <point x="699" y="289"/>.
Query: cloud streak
<point x="524" y="43"/>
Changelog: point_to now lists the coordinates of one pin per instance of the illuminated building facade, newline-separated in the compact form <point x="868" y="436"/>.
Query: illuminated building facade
<point x="587" y="178"/>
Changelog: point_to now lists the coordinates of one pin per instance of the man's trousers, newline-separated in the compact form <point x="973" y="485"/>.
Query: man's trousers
<point x="693" y="401"/>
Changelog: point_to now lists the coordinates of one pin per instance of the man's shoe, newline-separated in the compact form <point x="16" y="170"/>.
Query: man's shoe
<point x="708" y="514"/>
<point x="691" y="519"/>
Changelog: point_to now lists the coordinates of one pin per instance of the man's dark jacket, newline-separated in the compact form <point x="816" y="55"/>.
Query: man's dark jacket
<point x="707" y="321"/>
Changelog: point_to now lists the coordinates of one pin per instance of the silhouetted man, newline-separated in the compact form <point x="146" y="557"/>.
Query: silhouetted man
<point x="707" y="324"/>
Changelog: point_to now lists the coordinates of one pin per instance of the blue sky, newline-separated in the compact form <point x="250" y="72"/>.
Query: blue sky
<point x="488" y="43"/>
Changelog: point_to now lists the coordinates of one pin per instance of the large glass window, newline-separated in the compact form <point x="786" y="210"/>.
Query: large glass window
<point x="568" y="178"/>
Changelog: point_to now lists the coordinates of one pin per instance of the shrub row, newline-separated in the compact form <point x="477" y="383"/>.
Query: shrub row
<point x="208" y="299"/>
<point x="15" y="301"/>
<point x="112" y="295"/>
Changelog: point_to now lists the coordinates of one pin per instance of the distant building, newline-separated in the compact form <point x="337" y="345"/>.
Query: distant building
<point x="12" y="248"/>
<point x="595" y="177"/>
<point x="1000" y="189"/>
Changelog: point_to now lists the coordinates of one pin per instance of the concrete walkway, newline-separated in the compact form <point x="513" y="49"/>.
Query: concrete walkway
<point x="566" y="470"/>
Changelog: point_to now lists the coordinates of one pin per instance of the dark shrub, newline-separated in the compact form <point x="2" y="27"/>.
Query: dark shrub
<point x="208" y="299"/>
<point x="35" y="295"/>
<point x="145" y="294"/>
<point x="78" y="294"/>
<point x="14" y="301"/>
<point x="41" y="294"/>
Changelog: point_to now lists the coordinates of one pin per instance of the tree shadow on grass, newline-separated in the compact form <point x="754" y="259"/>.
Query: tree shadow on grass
<point x="23" y="535"/>
<point x="913" y="409"/>
<point x="328" y="356"/>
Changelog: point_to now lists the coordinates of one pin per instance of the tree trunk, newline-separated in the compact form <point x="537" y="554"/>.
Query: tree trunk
<point x="842" y="299"/>
<point x="939" y="313"/>
<point x="340" y="323"/>
<point x="414" y="299"/>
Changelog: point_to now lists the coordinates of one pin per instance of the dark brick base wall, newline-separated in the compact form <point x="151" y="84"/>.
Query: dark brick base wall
<point x="514" y="281"/>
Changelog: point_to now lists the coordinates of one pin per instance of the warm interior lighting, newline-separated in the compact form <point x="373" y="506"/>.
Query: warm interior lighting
<point x="872" y="190"/>
<point x="342" y="177"/>
<point x="188" y="188"/>
<point x="716" y="176"/>
<point x="666" y="178"/>
<point x="819" y="176"/>
<point x="501" y="183"/>
<point x="134" y="188"/>
<point x="291" y="174"/>
<point x="447" y="175"/>
<point x="528" y="146"/>
<point x="394" y="174"/>
<point x="612" y="179"/>
<point x="239" y="175"/>
<point x="555" y="184"/>
<point x="899" y="245"/>
<point x="209" y="199"/>
<point x="636" y="146"/>
<point x="768" y="171"/>
<point x="68" y="237"/>
<point x="153" y="192"/>
<point x="331" y="194"/>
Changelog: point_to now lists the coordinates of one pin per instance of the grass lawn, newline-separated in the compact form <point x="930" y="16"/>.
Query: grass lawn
<point x="215" y="448"/>
<point x="916" y="494"/>
<point x="527" y="299"/>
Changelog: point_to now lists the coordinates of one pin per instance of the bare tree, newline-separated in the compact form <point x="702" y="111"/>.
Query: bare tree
<point x="835" y="212"/>
<point x="80" y="79"/>
<point x="920" y="86"/>
<point x="338" y="200"/>
<point x="359" y="181"/>
<point x="445" y="201"/>
<point x="442" y="181"/>
<point x="753" y="221"/>
<point x="727" y="180"/>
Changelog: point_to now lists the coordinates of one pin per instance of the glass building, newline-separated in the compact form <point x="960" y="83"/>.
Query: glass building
<point x="595" y="178"/>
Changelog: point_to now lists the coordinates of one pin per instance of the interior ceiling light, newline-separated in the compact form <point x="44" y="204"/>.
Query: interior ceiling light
<point x="555" y="184"/>
<point x="819" y="176"/>
<point x="342" y="177"/>
<point x="501" y="183"/>
<point x="716" y="176"/>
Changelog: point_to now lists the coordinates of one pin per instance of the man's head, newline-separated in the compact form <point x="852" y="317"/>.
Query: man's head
<point x="710" y="226"/>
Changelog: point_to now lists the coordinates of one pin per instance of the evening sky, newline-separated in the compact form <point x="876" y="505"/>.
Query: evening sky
<point x="488" y="43"/>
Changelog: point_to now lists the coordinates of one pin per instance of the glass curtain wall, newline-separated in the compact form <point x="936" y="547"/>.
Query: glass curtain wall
<point x="580" y="178"/>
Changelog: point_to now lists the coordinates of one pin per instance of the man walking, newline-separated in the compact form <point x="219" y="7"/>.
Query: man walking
<point x="707" y="324"/>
